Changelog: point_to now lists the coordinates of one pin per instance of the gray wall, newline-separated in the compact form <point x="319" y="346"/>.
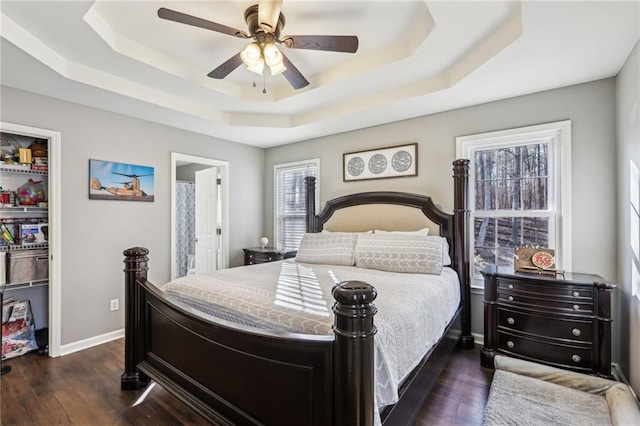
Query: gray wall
<point x="590" y="106"/>
<point x="95" y="232"/>
<point x="628" y="126"/>
<point x="187" y="173"/>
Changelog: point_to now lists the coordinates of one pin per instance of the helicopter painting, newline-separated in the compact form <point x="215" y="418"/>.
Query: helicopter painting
<point x="138" y="186"/>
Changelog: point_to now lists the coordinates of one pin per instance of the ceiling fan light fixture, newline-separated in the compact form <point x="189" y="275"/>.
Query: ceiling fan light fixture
<point x="273" y="58"/>
<point x="278" y="68"/>
<point x="251" y="55"/>
<point x="257" y="67"/>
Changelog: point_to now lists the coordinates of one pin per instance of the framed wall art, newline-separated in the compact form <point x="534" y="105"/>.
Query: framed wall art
<point x="120" y="181"/>
<point x="393" y="161"/>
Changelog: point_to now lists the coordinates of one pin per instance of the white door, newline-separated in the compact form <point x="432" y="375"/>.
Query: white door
<point x="206" y="220"/>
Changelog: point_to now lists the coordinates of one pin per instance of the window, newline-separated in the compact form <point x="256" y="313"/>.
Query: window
<point x="634" y="218"/>
<point x="290" y="220"/>
<point x="519" y="189"/>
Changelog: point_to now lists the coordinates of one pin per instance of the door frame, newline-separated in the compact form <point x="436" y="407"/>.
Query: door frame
<point x="55" y="227"/>
<point x="177" y="158"/>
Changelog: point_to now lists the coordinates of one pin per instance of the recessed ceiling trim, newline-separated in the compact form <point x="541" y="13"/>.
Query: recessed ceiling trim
<point x="153" y="57"/>
<point x="487" y="48"/>
<point x="90" y="76"/>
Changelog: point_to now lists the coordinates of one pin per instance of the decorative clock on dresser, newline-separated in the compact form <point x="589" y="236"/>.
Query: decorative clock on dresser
<point x="560" y="320"/>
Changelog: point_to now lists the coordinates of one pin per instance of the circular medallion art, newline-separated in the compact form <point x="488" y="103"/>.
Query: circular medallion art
<point x="401" y="161"/>
<point x="377" y="164"/>
<point x="355" y="166"/>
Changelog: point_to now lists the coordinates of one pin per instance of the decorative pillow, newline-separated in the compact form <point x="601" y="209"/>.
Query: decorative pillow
<point x="332" y="248"/>
<point x="324" y="231"/>
<point x="392" y="252"/>
<point x="423" y="231"/>
<point x="446" y="259"/>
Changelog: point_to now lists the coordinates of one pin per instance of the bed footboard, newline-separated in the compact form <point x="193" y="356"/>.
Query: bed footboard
<point x="237" y="375"/>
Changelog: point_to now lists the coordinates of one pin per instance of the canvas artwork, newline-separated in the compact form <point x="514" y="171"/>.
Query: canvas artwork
<point x="120" y="181"/>
<point x="394" y="161"/>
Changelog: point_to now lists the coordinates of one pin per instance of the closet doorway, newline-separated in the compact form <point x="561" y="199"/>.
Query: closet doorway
<point x="53" y="293"/>
<point x="199" y="214"/>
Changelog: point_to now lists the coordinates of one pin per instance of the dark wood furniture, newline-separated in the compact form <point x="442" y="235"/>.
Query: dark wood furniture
<point x="233" y="374"/>
<point x="254" y="255"/>
<point x="562" y="320"/>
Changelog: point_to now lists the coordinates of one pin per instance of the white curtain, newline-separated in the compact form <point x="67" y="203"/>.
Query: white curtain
<point x="185" y="225"/>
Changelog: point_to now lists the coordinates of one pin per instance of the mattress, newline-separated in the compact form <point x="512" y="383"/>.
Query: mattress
<point x="413" y="309"/>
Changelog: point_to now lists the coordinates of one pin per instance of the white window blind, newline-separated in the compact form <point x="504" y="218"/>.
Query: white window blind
<point x="290" y="201"/>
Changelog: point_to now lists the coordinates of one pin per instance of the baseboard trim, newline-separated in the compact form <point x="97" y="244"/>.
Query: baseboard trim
<point x="70" y="348"/>
<point x="478" y="338"/>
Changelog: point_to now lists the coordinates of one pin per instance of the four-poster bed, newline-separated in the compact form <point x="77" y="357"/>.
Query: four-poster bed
<point x="239" y="374"/>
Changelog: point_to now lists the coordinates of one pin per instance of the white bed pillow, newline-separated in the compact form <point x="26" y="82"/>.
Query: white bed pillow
<point x="446" y="259"/>
<point x="324" y="231"/>
<point x="331" y="248"/>
<point x="409" y="253"/>
<point x="423" y="231"/>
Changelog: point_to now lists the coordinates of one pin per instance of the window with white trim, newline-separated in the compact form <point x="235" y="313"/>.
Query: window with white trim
<point x="634" y="217"/>
<point x="519" y="193"/>
<point x="290" y="201"/>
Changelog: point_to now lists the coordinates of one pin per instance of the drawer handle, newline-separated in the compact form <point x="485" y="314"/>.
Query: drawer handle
<point x="576" y="358"/>
<point x="269" y="258"/>
<point x="576" y="307"/>
<point x="510" y="345"/>
<point x="576" y="332"/>
<point x="511" y="320"/>
<point x="510" y="298"/>
<point x="250" y="256"/>
<point x="576" y="293"/>
<point x="510" y="286"/>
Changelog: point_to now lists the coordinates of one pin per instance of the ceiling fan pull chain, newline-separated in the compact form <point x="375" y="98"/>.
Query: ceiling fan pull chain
<point x="264" y="84"/>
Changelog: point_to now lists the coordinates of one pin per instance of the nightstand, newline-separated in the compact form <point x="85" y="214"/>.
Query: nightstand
<point x="253" y="255"/>
<point x="559" y="320"/>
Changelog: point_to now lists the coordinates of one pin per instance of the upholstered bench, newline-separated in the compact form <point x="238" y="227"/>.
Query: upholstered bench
<point x="526" y="393"/>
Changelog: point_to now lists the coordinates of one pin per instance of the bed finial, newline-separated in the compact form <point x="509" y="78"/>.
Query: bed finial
<point x="354" y="391"/>
<point x="310" y="200"/>
<point x="136" y="266"/>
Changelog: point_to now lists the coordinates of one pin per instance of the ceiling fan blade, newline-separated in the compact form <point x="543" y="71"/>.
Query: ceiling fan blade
<point x="293" y="75"/>
<point x="333" y="43"/>
<point x="226" y="67"/>
<point x="268" y="14"/>
<point x="194" y="21"/>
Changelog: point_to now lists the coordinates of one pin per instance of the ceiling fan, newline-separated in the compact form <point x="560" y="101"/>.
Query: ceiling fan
<point x="265" y="22"/>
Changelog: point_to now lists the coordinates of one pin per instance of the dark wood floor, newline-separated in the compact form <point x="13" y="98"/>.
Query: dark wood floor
<point x="84" y="389"/>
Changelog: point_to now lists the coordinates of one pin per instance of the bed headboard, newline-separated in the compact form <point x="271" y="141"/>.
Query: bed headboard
<point x="453" y="226"/>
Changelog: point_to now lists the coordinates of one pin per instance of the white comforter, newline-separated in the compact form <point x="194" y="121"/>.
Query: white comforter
<point x="413" y="309"/>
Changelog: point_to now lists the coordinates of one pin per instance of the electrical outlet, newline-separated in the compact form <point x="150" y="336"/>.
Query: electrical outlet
<point x="114" y="305"/>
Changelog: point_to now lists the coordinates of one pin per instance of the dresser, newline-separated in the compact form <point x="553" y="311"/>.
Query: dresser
<point x="253" y="255"/>
<point x="559" y="320"/>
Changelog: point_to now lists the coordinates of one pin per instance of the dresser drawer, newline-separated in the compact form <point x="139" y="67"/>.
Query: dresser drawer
<point x="561" y="304"/>
<point x="566" y="355"/>
<point x="571" y="292"/>
<point x="264" y="257"/>
<point x="546" y="326"/>
<point x="260" y="255"/>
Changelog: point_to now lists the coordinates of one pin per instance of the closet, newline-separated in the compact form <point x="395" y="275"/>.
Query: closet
<point x="25" y="229"/>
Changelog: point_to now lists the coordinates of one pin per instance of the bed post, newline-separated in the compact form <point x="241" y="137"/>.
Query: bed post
<point x="135" y="267"/>
<point x="310" y="199"/>
<point x="461" y="223"/>
<point x="353" y="379"/>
